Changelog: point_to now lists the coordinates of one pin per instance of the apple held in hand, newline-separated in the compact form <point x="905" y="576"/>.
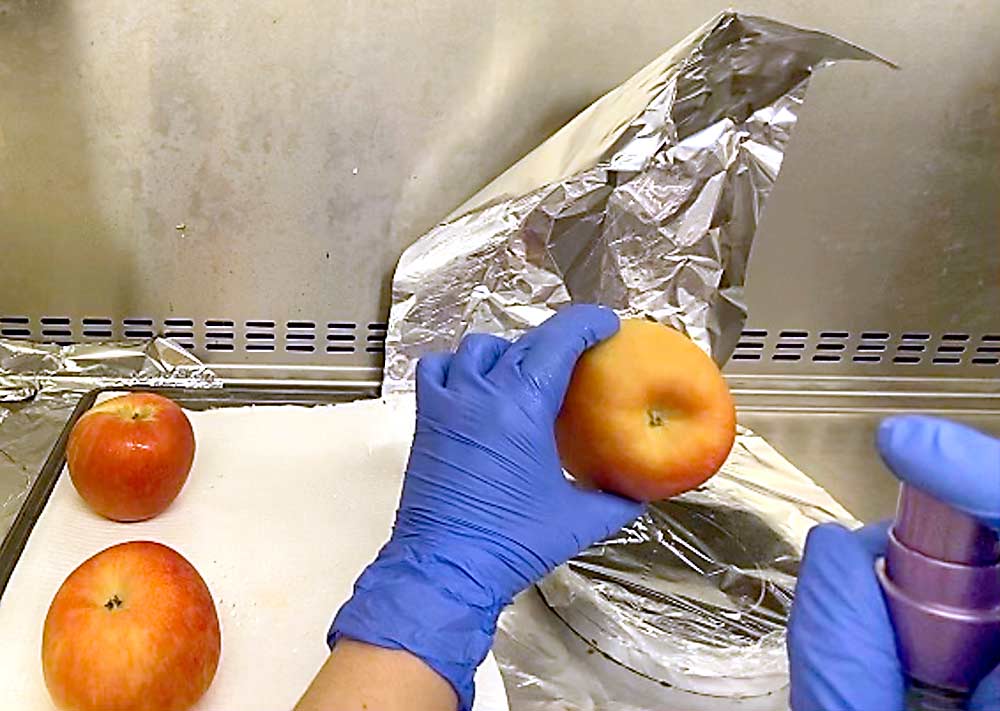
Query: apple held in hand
<point x="647" y="415"/>
<point x="133" y="628"/>
<point x="129" y="456"/>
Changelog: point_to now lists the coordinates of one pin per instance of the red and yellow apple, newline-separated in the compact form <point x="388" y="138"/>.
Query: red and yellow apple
<point x="134" y="628"/>
<point x="647" y="415"/>
<point x="129" y="456"/>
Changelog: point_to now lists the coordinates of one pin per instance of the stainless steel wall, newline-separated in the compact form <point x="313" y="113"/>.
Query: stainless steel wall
<point x="195" y="166"/>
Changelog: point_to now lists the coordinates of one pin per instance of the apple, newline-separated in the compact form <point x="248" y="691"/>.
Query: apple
<point x="133" y="628"/>
<point x="129" y="456"/>
<point x="647" y="414"/>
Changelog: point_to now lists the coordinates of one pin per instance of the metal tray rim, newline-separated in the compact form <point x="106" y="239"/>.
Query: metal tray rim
<point x="17" y="537"/>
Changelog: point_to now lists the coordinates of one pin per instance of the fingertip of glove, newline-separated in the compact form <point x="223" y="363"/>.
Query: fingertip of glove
<point x="826" y="534"/>
<point x="432" y="368"/>
<point x="602" y="321"/>
<point x="894" y="431"/>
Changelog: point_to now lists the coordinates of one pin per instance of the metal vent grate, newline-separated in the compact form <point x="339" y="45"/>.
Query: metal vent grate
<point x="300" y="337"/>
<point x="322" y="341"/>
<point x="340" y="337"/>
<point x="214" y="335"/>
<point x="376" y="337"/>
<point x="258" y="336"/>
<point x="868" y="347"/>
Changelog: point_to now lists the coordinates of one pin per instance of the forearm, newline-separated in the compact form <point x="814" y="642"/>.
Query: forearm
<point x="359" y="677"/>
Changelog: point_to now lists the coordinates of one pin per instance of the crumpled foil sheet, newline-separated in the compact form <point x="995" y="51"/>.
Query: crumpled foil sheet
<point x="685" y="608"/>
<point x="41" y="383"/>
<point x="647" y="202"/>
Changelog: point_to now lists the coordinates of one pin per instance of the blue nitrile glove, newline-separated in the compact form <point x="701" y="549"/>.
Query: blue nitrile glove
<point x="841" y="643"/>
<point x="485" y="509"/>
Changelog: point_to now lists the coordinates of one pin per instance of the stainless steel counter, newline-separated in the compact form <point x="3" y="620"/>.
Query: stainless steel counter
<point x="826" y="426"/>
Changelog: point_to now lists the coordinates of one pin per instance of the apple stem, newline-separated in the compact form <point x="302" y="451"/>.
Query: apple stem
<point x="656" y="419"/>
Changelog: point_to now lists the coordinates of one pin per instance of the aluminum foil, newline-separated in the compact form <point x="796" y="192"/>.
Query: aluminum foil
<point x="647" y="202"/>
<point x="685" y="608"/>
<point x="41" y="383"/>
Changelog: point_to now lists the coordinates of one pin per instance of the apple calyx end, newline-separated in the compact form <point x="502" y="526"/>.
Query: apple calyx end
<point x="136" y="414"/>
<point x="113" y="603"/>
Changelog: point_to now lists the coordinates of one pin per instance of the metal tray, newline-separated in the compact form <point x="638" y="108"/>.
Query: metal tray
<point x="194" y="399"/>
<point x="824" y="425"/>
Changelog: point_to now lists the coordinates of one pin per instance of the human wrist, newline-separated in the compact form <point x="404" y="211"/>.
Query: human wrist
<point x="413" y="599"/>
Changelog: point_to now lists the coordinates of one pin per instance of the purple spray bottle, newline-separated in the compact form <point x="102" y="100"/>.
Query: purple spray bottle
<point x="941" y="577"/>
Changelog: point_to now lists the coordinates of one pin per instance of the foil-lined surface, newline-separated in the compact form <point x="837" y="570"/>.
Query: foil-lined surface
<point x="684" y="608"/>
<point x="646" y="202"/>
<point x="41" y="383"/>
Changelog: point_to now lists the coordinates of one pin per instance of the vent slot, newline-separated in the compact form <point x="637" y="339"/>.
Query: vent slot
<point x="96" y="328"/>
<point x="180" y="330"/>
<point x="258" y="336"/>
<point x="376" y="338"/>
<point x="299" y="336"/>
<point x="17" y="333"/>
<point x="138" y="328"/>
<point x="340" y="337"/>
<point x="751" y="345"/>
<point x="56" y="327"/>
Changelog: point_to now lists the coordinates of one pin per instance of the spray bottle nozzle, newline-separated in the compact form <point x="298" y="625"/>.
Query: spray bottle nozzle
<point x="941" y="577"/>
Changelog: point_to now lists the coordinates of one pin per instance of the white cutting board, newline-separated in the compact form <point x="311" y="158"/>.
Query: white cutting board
<point x="283" y="509"/>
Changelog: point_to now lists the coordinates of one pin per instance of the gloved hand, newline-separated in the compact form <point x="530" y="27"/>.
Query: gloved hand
<point x="841" y="644"/>
<point x="485" y="509"/>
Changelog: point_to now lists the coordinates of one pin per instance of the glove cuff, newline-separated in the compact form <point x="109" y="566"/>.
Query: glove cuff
<point x="425" y="605"/>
